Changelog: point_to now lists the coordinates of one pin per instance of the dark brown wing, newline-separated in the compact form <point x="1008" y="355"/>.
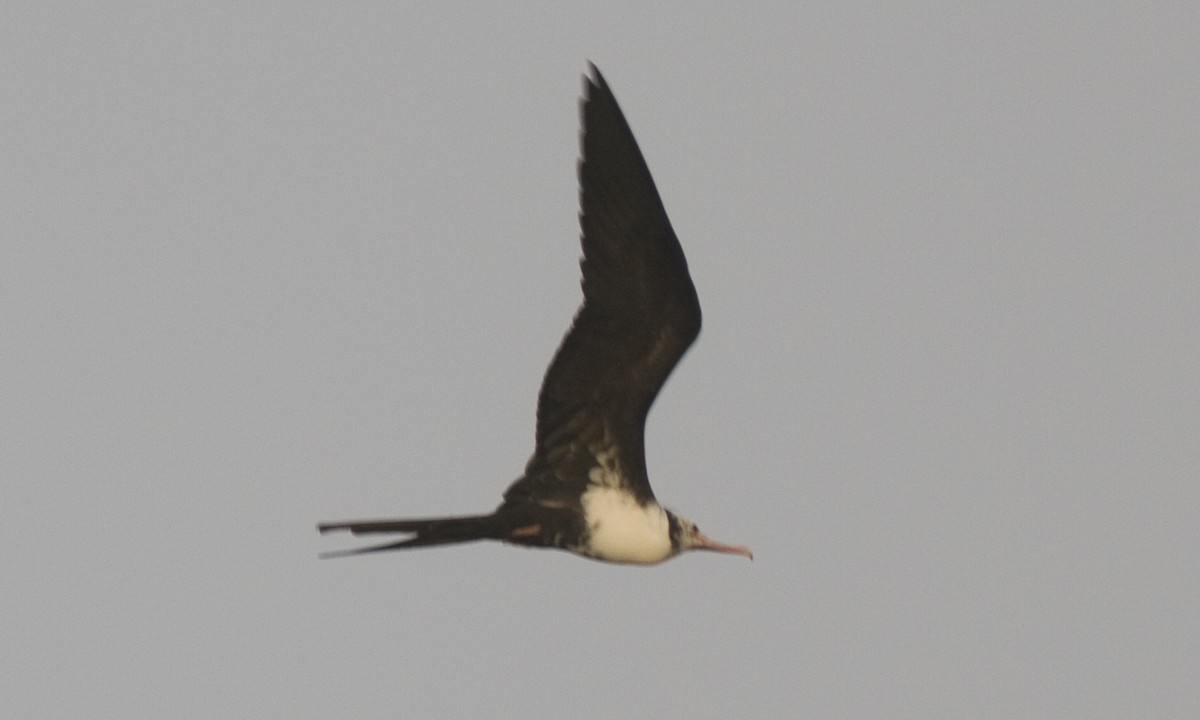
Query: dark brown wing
<point x="639" y="315"/>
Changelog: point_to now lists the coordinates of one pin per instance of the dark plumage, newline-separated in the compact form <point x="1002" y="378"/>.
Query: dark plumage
<point x="585" y="489"/>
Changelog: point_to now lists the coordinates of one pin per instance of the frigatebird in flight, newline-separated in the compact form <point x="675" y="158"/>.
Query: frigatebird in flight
<point x="585" y="489"/>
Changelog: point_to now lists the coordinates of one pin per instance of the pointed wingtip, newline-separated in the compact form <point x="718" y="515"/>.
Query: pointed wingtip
<point x="594" y="77"/>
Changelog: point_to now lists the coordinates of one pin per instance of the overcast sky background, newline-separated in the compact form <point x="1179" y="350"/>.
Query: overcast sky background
<point x="265" y="264"/>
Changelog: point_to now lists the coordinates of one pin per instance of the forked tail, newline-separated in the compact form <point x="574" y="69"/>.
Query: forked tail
<point x="425" y="531"/>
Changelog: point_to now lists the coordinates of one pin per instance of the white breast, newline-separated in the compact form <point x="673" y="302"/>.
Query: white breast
<point x="623" y="530"/>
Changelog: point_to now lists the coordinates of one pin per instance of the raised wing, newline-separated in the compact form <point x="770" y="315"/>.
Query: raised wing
<point x="639" y="315"/>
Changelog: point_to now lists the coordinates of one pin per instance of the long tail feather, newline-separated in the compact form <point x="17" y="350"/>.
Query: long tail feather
<point x="428" y="531"/>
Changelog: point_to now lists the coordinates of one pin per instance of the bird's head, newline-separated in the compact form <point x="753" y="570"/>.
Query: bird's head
<point x="686" y="536"/>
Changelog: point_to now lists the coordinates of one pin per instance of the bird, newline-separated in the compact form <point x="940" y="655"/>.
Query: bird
<point x="585" y="489"/>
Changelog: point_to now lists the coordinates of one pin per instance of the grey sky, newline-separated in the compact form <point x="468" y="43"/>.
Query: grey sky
<point x="269" y="264"/>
